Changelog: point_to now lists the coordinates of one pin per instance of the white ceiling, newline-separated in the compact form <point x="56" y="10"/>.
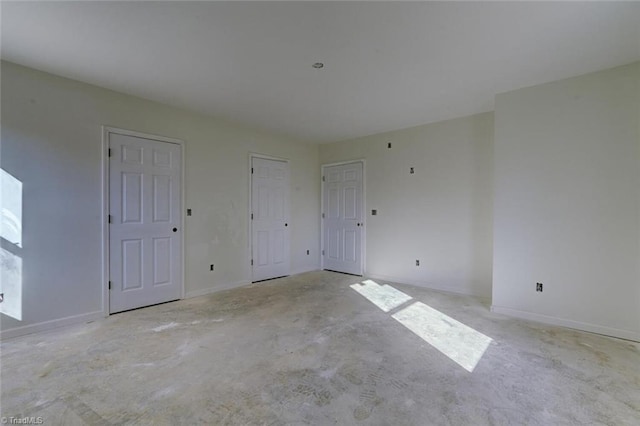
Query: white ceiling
<point x="388" y="65"/>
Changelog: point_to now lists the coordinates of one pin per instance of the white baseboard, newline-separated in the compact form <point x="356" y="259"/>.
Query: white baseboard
<point x="48" y="325"/>
<point x="563" y="322"/>
<point x="217" y="288"/>
<point x="428" y="285"/>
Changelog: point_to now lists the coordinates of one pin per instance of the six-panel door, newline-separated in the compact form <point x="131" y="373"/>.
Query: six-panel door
<point x="270" y="223"/>
<point x="144" y="233"/>
<point x="342" y="201"/>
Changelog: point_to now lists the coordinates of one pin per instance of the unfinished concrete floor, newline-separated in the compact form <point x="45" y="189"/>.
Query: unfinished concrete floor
<point x="308" y="349"/>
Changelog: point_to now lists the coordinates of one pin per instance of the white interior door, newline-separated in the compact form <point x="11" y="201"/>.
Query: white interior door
<point x="342" y="218"/>
<point x="145" y="256"/>
<point x="270" y="218"/>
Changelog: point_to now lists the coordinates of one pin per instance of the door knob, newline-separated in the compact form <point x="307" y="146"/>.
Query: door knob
<point x="175" y="229"/>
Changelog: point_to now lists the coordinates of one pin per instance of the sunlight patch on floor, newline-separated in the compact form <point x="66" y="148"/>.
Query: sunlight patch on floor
<point x="459" y="342"/>
<point x="384" y="297"/>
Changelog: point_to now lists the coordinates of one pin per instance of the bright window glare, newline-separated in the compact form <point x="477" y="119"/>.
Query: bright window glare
<point x="460" y="343"/>
<point x="10" y="208"/>
<point x="11" y="284"/>
<point x="384" y="297"/>
<point x="11" y="238"/>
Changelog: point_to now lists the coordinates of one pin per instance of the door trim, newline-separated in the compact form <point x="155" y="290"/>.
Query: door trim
<point x="106" y="132"/>
<point x="363" y="244"/>
<point x="253" y="155"/>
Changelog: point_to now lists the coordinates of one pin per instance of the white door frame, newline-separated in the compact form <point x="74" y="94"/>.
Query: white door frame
<point x="363" y="243"/>
<point x="106" y="132"/>
<point x="253" y="155"/>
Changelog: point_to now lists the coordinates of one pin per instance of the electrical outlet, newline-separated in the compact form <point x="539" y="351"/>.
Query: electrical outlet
<point x="374" y="212"/>
<point x="417" y="262"/>
<point x="389" y="145"/>
<point x="307" y="252"/>
<point x="188" y="212"/>
<point x="211" y="267"/>
<point x="411" y="171"/>
<point x="539" y="287"/>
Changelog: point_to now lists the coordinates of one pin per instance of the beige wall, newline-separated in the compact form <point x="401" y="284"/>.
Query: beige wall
<point x="567" y="202"/>
<point x="440" y="215"/>
<point x="51" y="141"/>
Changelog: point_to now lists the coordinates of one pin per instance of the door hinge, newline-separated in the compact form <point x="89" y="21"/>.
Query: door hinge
<point x="109" y="285"/>
<point x="109" y="152"/>
<point x="251" y="262"/>
<point x="323" y="178"/>
<point x="251" y="216"/>
<point x="323" y="215"/>
<point x="252" y="170"/>
<point x="323" y="252"/>
<point x="110" y="220"/>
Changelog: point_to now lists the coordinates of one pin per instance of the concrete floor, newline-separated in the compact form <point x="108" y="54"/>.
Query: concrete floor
<point x="308" y="349"/>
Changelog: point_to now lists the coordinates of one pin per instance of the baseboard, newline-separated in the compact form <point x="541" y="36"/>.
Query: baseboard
<point x="48" y="325"/>
<point x="428" y="285"/>
<point x="209" y="290"/>
<point x="562" y="322"/>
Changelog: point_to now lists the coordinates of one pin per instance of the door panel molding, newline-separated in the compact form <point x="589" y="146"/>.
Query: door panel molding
<point x="334" y="206"/>
<point x="282" y="238"/>
<point x="159" y="161"/>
